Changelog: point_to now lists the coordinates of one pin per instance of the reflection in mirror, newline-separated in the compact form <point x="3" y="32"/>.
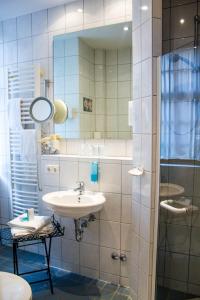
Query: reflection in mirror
<point x="92" y="74"/>
<point x="41" y="110"/>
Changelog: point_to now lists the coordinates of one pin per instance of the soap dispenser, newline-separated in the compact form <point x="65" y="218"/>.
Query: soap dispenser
<point x="94" y="176"/>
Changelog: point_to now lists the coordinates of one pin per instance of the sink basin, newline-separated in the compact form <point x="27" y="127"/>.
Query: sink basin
<point x="170" y="190"/>
<point x="72" y="204"/>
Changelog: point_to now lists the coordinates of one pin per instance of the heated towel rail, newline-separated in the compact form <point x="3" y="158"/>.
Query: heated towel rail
<point x="23" y="83"/>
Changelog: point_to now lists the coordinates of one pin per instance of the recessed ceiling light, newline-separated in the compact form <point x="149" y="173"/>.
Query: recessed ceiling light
<point x="125" y="28"/>
<point x="80" y="10"/>
<point x="144" y="7"/>
<point x="182" y="21"/>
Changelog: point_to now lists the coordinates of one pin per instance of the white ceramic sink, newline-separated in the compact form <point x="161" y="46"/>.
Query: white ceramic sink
<point x="72" y="204"/>
<point x="13" y="287"/>
<point x="170" y="190"/>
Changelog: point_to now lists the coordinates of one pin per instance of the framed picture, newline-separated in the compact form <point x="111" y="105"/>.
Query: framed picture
<point x="87" y="104"/>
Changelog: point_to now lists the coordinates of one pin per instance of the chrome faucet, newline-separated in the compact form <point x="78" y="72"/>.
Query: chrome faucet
<point x="81" y="187"/>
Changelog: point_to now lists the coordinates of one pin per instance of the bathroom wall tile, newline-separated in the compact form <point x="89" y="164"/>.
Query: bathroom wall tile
<point x="74" y="14"/>
<point x="10" y="53"/>
<point x="125" y="266"/>
<point x="124" y="72"/>
<point x="90" y="273"/>
<point x="56" y="18"/>
<point x="124" y="89"/>
<point x="100" y="89"/>
<point x="1" y="32"/>
<point x="68" y="223"/>
<point x="111" y="73"/>
<point x="48" y="178"/>
<point x="146" y="80"/>
<point x="148" y="189"/>
<point x="40" y="46"/>
<point x="112" y="208"/>
<point x="110" y="178"/>
<point x="146" y="31"/>
<point x="99" y="73"/>
<point x="1" y="55"/>
<point x="137" y="81"/>
<point x="107" y="264"/>
<point x="110" y="234"/>
<point x="177" y="266"/>
<point x="56" y="248"/>
<point x="126" y="236"/>
<point x="146" y="223"/>
<point x="144" y="285"/>
<point x="145" y="255"/>
<point x="24" y="26"/>
<point x="137" y="121"/>
<point x="9" y="30"/>
<point x="126" y="179"/>
<point x="89" y="256"/>
<point x="147" y="154"/>
<point x="24" y="50"/>
<point x="111" y="90"/>
<point x="115" y="279"/>
<point x="114" y="9"/>
<point x="194" y="269"/>
<point x="124" y="56"/>
<point x="111" y="57"/>
<point x="114" y="148"/>
<point x="70" y="251"/>
<point x="137" y="45"/>
<point x="126" y="214"/>
<point x="39" y="22"/>
<point x="93" y="11"/>
<point x="68" y="174"/>
<point x="91" y="233"/>
<point x="100" y="57"/>
<point x="136" y="207"/>
<point x="179" y="239"/>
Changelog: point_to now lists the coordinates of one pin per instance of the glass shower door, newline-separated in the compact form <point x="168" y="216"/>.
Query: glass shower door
<point x="178" y="255"/>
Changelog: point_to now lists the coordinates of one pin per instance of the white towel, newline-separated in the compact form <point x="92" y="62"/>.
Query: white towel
<point x="14" y="114"/>
<point x="19" y="232"/>
<point x="28" y="145"/>
<point x="34" y="225"/>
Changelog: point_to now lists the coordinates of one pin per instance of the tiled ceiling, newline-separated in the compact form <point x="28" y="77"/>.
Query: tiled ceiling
<point x="14" y="8"/>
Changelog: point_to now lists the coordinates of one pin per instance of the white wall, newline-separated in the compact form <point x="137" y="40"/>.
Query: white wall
<point x="109" y="233"/>
<point x="28" y="39"/>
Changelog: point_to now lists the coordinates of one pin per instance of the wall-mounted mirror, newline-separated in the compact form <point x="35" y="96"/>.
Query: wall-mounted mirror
<point x="43" y="110"/>
<point x="92" y="74"/>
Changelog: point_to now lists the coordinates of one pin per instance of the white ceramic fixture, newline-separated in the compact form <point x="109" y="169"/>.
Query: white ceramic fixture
<point x="181" y="206"/>
<point x="170" y="190"/>
<point x="13" y="287"/>
<point x="73" y="205"/>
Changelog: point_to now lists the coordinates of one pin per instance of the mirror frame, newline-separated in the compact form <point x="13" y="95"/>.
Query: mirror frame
<point x="50" y="104"/>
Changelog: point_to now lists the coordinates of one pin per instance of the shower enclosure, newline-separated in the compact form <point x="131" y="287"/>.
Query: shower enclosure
<point x="178" y="252"/>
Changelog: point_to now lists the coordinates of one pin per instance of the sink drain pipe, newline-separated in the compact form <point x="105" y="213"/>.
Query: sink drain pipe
<point x="80" y="224"/>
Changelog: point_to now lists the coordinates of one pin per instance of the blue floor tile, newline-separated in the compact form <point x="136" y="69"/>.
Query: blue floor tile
<point x="67" y="285"/>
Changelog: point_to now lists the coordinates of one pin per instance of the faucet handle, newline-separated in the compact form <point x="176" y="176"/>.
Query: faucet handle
<point x="81" y="184"/>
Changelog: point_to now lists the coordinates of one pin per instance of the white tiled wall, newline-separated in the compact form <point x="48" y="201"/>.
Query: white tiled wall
<point x="28" y="39"/>
<point x="109" y="233"/>
<point x="146" y="34"/>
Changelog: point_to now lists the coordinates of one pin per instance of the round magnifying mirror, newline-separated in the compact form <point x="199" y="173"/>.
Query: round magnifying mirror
<point x="41" y="110"/>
